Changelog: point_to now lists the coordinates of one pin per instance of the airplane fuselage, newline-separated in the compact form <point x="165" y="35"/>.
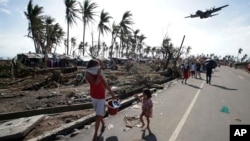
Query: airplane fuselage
<point x="203" y="14"/>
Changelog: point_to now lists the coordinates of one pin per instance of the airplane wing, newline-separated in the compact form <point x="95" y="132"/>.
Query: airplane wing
<point x="217" y="9"/>
<point x="213" y="15"/>
<point x="192" y="16"/>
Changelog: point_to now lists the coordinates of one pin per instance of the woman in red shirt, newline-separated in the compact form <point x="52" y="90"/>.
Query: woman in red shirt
<point x="185" y="71"/>
<point x="248" y="67"/>
<point x="98" y="85"/>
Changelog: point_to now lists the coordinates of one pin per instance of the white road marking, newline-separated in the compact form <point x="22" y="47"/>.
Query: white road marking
<point x="240" y="77"/>
<point x="185" y="116"/>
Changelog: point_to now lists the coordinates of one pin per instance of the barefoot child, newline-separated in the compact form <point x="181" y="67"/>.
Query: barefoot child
<point x="147" y="107"/>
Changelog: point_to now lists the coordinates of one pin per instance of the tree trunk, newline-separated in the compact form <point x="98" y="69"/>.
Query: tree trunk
<point x="68" y="40"/>
<point x="83" y="36"/>
<point x="99" y="46"/>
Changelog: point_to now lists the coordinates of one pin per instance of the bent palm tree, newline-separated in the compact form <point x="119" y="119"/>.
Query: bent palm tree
<point x="71" y="14"/>
<point x="57" y="35"/>
<point x="126" y="22"/>
<point x="88" y="13"/>
<point x="35" y="17"/>
<point x="140" y="45"/>
<point x="115" y="30"/>
<point x="123" y="28"/>
<point x="102" y="27"/>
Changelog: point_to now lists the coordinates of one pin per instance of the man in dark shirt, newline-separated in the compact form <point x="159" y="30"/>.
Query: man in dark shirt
<point x="209" y="71"/>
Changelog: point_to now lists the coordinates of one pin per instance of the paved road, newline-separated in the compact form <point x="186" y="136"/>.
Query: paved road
<point x="189" y="112"/>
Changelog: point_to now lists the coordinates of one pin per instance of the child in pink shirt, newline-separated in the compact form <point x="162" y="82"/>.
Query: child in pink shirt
<point x="147" y="107"/>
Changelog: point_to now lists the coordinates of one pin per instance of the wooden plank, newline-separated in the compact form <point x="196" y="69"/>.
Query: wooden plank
<point x="18" y="128"/>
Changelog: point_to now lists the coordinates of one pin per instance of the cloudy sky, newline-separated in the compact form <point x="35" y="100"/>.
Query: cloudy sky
<point x="222" y="35"/>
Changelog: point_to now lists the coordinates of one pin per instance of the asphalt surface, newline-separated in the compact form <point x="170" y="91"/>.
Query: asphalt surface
<point x="196" y="111"/>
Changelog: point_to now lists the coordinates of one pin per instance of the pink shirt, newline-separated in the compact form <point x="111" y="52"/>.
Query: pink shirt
<point x="147" y="107"/>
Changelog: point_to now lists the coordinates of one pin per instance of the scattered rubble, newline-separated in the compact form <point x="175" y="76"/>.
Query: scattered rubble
<point x="43" y="88"/>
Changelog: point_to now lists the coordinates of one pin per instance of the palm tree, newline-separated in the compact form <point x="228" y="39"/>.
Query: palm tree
<point x="73" y="44"/>
<point x="35" y="17"/>
<point x="158" y="52"/>
<point x="102" y="27"/>
<point x="244" y="58"/>
<point x="153" y="51"/>
<point x="52" y="35"/>
<point x="48" y="28"/>
<point x="167" y="50"/>
<point x="135" y="41"/>
<point x="114" y="31"/>
<point x="88" y="13"/>
<point x="147" y="50"/>
<point x="57" y="35"/>
<point x="141" y="38"/>
<point x="42" y="29"/>
<point x="239" y="52"/>
<point x="122" y="28"/>
<point x="81" y="47"/>
<point x="117" y="49"/>
<point x="126" y="21"/>
<point x="188" y="50"/>
<point x="71" y="14"/>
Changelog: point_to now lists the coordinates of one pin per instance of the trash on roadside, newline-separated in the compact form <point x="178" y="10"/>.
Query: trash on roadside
<point x="155" y="102"/>
<point x="237" y="119"/>
<point x="131" y="121"/>
<point x="62" y="137"/>
<point x="110" y="126"/>
<point x="76" y="132"/>
<point x="224" y="109"/>
<point x="136" y="106"/>
<point x="126" y="129"/>
<point x="155" y="94"/>
<point x="87" y="127"/>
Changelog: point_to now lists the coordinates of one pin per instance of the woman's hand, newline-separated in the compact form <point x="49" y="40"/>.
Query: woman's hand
<point x="114" y="97"/>
<point x="136" y="96"/>
<point x="99" y="71"/>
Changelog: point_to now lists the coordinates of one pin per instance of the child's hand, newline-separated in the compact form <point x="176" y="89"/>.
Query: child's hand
<point x="136" y="96"/>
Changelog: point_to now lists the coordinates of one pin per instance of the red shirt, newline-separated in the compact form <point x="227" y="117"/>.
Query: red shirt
<point x="97" y="91"/>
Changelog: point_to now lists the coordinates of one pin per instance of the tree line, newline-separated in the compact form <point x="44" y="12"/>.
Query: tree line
<point x="125" y="41"/>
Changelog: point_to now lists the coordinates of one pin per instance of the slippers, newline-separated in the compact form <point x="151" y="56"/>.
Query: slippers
<point x="103" y="128"/>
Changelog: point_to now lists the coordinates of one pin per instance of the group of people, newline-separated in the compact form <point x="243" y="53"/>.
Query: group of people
<point x="194" y="70"/>
<point x="98" y="85"/>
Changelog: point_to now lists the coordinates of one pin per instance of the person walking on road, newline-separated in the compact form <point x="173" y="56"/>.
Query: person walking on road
<point x="209" y="71"/>
<point x="198" y="70"/>
<point x="193" y="69"/>
<point x="147" y="107"/>
<point x="186" y="70"/>
<point x="97" y="83"/>
<point x="248" y="68"/>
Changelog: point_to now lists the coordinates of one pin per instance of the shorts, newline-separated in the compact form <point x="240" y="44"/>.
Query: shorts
<point x="99" y="106"/>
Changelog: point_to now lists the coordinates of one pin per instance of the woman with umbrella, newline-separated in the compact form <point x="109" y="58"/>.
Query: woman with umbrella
<point x="210" y="65"/>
